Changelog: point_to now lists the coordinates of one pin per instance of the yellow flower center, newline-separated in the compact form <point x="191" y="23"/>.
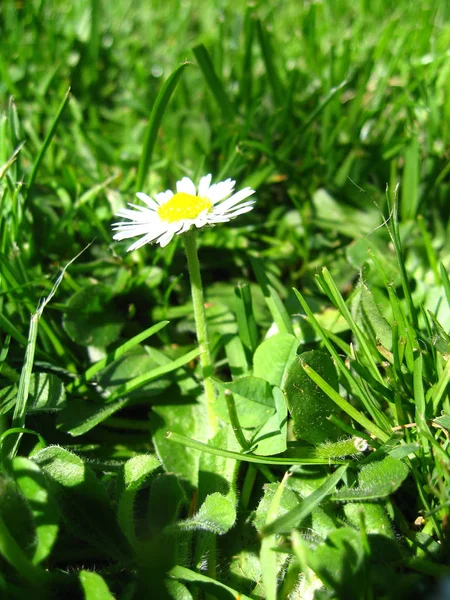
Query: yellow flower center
<point x="183" y="206"/>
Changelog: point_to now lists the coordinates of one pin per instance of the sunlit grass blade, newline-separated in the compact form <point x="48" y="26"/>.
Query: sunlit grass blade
<point x="445" y="281"/>
<point x="141" y="380"/>
<point x="410" y="181"/>
<point x="247" y="62"/>
<point x="440" y="387"/>
<point x="320" y="107"/>
<point x="268" y="554"/>
<point x="274" y="302"/>
<point x="47" y="142"/>
<point x="352" y="412"/>
<point x="268" y="57"/>
<point x="367" y="347"/>
<point x="246" y="457"/>
<point x="247" y="329"/>
<point x="355" y="386"/>
<point x="291" y="519"/>
<point x="116" y="354"/>
<point x="151" y="133"/>
<point x="218" y="589"/>
<point x="213" y="81"/>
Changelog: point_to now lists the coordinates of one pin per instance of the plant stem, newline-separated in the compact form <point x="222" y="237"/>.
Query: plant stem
<point x="190" y="245"/>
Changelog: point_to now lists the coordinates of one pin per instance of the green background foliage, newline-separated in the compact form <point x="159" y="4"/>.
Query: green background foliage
<point x="328" y="305"/>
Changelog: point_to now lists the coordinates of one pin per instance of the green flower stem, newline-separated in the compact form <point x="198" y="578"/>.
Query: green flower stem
<point x="190" y="245"/>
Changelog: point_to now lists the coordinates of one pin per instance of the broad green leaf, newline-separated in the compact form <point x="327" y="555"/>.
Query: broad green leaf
<point x="189" y="419"/>
<point x="16" y="513"/>
<point x="253" y="398"/>
<point x="207" y="584"/>
<point x="94" y="586"/>
<point x="134" y="377"/>
<point x="272" y="437"/>
<point x="217" y="514"/>
<point x="80" y="416"/>
<point x="83" y="501"/>
<point x="287" y="502"/>
<point x="218" y="473"/>
<point x="166" y="500"/>
<point x="32" y="484"/>
<point x="376" y="519"/>
<point x="133" y="475"/>
<point x="135" y="363"/>
<point x="377" y="479"/>
<point x="338" y="561"/>
<point x="372" y="321"/>
<point x="91" y="318"/>
<point x="115" y="355"/>
<point x="443" y="420"/>
<point x="304" y="508"/>
<point x="338" y="216"/>
<point x="46" y="393"/>
<point x="177" y="590"/>
<point x="309" y="406"/>
<point x="273" y="357"/>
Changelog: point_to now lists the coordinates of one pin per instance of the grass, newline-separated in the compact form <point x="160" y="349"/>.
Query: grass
<point x="328" y="305"/>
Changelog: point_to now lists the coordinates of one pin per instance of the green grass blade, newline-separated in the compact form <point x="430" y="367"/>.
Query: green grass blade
<point x="273" y="300"/>
<point x="347" y="373"/>
<point x="410" y="181"/>
<point x="268" y="56"/>
<point x="251" y="458"/>
<point x="344" y="405"/>
<point x="158" y="110"/>
<point x="47" y="142"/>
<point x="300" y="512"/>
<point x="445" y="281"/>
<point x="116" y="354"/>
<point x="141" y="380"/>
<point x="212" y="79"/>
<point x="440" y="387"/>
<point x="216" y="588"/>
<point x="336" y="297"/>
<point x="268" y="554"/>
<point x="247" y="329"/>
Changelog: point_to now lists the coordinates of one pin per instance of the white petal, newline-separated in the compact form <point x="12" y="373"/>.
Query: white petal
<point x="204" y="185"/>
<point x="163" y="197"/>
<point x="186" y="226"/>
<point x="239" y="211"/>
<point x="143" y="209"/>
<point x="166" y="238"/>
<point x="220" y="191"/>
<point x="212" y="219"/>
<point x="186" y="185"/>
<point x="148" y="201"/>
<point x="235" y="199"/>
<point x="227" y="211"/>
<point x="127" y="232"/>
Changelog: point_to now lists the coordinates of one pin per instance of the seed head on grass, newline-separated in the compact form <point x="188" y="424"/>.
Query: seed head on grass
<point x="169" y="213"/>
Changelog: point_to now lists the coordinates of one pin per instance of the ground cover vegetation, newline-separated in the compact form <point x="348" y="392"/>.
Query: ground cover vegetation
<point x="320" y="469"/>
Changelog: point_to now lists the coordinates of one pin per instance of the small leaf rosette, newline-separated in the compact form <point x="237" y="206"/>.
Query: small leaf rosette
<point x="168" y="214"/>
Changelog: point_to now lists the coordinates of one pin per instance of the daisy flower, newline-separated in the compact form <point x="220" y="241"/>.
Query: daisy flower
<point x="168" y="213"/>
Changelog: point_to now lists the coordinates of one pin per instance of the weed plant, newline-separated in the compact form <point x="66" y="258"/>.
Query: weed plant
<point x="326" y="474"/>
